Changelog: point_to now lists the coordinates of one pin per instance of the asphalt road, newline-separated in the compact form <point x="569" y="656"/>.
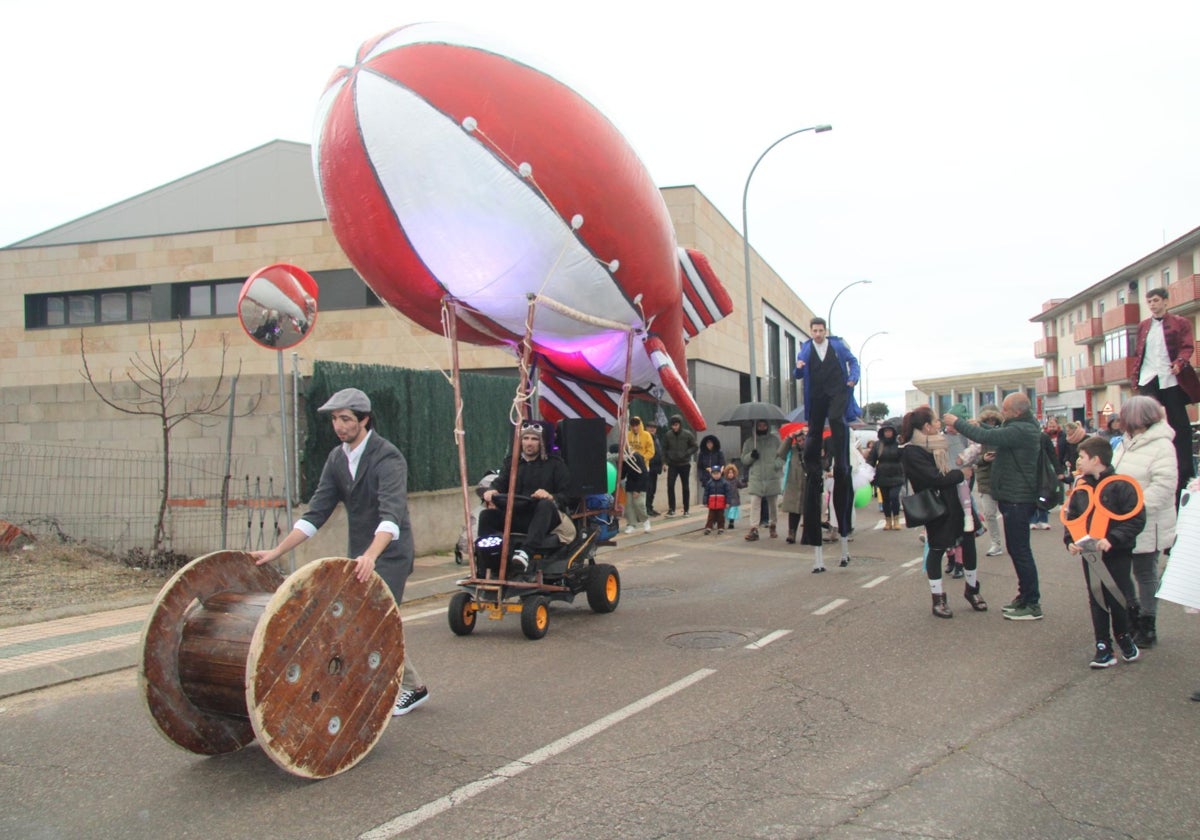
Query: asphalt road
<point x="731" y="694"/>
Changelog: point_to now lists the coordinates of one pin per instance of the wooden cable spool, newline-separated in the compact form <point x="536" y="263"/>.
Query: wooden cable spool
<point x="309" y="665"/>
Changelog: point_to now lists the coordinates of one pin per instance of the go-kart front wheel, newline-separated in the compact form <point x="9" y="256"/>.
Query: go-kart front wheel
<point x="603" y="588"/>
<point x="461" y="613"/>
<point x="535" y="616"/>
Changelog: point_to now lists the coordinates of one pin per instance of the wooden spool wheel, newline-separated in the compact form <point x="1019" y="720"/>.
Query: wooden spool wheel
<point x="310" y="665"/>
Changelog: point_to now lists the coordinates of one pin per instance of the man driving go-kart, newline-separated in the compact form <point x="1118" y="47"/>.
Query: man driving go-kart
<point x="543" y="479"/>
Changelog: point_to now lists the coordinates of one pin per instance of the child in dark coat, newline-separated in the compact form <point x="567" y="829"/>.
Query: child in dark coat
<point x="1107" y="546"/>
<point x="716" y="497"/>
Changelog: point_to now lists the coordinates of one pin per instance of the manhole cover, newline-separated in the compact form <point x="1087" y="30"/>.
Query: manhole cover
<point x="708" y="639"/>
<point x="647" y="592"/>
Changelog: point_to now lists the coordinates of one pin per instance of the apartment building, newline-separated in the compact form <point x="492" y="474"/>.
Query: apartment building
<point x="1088" y="339"/>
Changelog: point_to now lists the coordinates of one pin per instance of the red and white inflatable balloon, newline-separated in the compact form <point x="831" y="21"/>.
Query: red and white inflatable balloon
<point x="447" y="168"/>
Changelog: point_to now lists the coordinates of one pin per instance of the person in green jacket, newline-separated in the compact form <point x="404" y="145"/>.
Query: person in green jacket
<point x="1014" y="481"/>
<point x="679" y="446"/>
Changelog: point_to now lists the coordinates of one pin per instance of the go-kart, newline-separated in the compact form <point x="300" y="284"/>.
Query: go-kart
<point x="558" y="572"/>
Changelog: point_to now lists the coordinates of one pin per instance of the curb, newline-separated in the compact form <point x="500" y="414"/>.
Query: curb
<point x="433" y="576"/>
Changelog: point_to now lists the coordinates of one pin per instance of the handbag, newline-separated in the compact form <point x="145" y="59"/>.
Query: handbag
<point x="922" y="508"/>
<point x="1050" y="489"/>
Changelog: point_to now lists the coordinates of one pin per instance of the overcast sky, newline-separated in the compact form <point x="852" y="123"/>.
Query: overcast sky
<point x="984" y="159"/>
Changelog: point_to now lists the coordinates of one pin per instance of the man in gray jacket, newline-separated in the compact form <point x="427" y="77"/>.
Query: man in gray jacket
<point x="370" y="477"/>
<point x="1015" y="489"/>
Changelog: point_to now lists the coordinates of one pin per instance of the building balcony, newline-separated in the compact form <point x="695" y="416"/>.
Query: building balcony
<point x="1183" y="296"/>
<point x="1118" y="371"/>
<point x="1090" y="331"/>
<point x="1125" y="315"/>
<point x="1090" y="377"/>
<point x="1046" y="385"/>
<point x="1045" y="348"/>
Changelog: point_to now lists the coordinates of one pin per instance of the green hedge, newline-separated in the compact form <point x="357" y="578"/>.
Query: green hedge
<point x="414" y="409"/>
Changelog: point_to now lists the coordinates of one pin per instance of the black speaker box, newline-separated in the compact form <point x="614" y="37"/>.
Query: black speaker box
<point x="582" y="442"/>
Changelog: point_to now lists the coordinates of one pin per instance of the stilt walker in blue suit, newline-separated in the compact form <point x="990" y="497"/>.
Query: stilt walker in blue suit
<point x="830" y="372"/>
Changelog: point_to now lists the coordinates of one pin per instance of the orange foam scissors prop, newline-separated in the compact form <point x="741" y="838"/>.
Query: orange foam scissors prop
<point x="1079" y="527"/>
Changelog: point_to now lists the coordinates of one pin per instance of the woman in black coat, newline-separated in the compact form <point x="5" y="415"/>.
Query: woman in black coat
<point x="889" y="475"/>
<point x="924" y="457"/>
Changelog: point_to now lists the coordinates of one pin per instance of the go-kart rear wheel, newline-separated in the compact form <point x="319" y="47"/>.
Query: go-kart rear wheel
<point x="535" y="616"/>
<point x="603" y="588"/>
<point x="461" y="613"/>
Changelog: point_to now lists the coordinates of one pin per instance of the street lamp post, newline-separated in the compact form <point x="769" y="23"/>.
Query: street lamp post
<point x="861" y="348"/>
<point x="829" y="318"/>
<point x="866" y="372"/>
<point x="746" y="251"/>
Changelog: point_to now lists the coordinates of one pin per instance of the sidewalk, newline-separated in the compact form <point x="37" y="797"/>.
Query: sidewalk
<point x="107" y="638"/>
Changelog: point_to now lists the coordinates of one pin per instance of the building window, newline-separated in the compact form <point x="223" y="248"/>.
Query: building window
<point x="104" y="306"/>
<point x="207" y="299"/>
<point x="1166" y="274"/>
<point x="1121" y="298"/>
<point x="342" y="288"/>
<point x="774" y="350"/>
<point x="789" y="364"/>
<point x="1119" y="344"/>
<point x="1099" y="309"/>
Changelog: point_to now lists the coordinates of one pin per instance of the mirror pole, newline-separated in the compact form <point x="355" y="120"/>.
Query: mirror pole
<point x="287" y="472"/>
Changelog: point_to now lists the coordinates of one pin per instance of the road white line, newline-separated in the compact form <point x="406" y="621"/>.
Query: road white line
<point x="420" y="615"/>
<point x="913" y="562"/>
<point x="767" y="639"/>
<point x="429" y="810"/>
<point x="463" y="572"/>
<point x="831" y="606"/>
<point x="871" y="584"/>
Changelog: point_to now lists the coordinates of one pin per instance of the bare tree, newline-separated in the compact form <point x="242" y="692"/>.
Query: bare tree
<point x="158" y="378"/>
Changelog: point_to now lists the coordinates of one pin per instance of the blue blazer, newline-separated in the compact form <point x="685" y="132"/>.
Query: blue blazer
<point x="845" y="357"/>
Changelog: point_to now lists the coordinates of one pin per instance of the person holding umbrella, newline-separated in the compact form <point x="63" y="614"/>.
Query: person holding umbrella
<point x="764" y="475"/>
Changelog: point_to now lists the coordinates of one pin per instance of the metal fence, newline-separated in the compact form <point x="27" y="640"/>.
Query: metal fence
<point x="110" y="499"/>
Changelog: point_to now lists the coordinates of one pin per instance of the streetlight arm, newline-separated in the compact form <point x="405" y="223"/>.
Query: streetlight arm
<point x="829" y="320"/>
<point x="862" y="347"/>
<point x="746" y="251"/>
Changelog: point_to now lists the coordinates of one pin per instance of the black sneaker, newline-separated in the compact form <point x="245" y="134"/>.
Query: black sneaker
<point x="1025" y="612"/>
<point x="409" y="699"/>
<point x="1104" y="656"/>
<point x="1129" y="650"/>
<point x="958" y="573"/>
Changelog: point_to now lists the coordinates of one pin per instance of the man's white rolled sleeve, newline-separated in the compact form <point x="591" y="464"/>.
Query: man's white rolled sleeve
<point x="390" y="528"/>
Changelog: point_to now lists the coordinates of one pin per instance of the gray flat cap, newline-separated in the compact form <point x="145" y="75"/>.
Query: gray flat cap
<point x="350" y="398"/>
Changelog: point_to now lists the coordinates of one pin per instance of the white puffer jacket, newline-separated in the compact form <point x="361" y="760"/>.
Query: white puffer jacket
<point x="1149" y="457"/>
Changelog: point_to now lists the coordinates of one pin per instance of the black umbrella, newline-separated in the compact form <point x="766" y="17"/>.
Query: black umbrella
<point x="752" y="412"/>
